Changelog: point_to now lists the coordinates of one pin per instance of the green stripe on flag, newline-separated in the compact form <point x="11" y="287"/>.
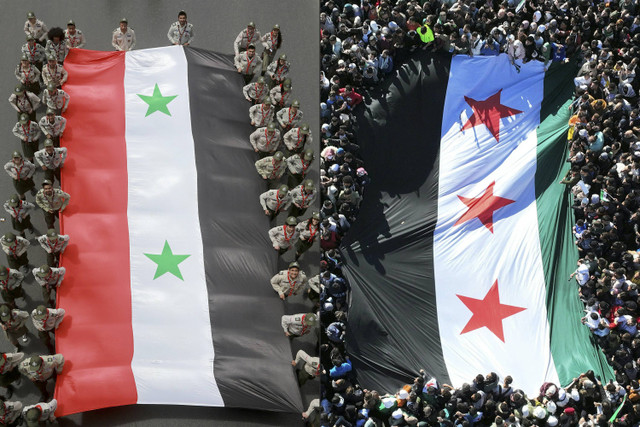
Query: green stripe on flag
<point x="572" y="345"/>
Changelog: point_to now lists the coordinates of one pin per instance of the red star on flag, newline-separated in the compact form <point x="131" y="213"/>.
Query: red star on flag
<point x="483" y="207"/>
<point x="488" y="312"/>
<point x="488" y="112"/>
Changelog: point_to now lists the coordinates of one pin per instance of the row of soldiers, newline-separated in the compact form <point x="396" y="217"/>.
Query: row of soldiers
<point x="279" y="126"/>
<point x="33" y="74"/>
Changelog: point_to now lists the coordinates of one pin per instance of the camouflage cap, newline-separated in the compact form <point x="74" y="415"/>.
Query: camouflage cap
<point x="51" y="233"/>
<point x="291" y="221"/>
<point x="295" y="103"/>
<point x="19" y="90"/>
<point x="308" y="154"/>
<point x="46" y="182"/>
<point x="40" y="312"/>
<point x="5" y="312"/>
<point x="34" y="363"/>
<point x="278" y="156"/>
<point x="283" y="56"/>
<point x="310" y="319"/>
<point x="294" y="265"/>
<point x="16" y="155"/>
<point x="251" y="24"/>
<point x="33" y="415"/>
<point x="308" y="185"/>
<point x="14" y="201"/>
<point x="304" y="128"/>
<point x="124" y="20"/>
<point x="271" y="126"/>
<point x="315" y="215"/>
<point x="3" y="272"/>
<point x="283" y="190"/>
<point x="9" y="237"/>
<point x="71" y="22"/>
<point x="51" y="112"/>
<point x="24" y="119"/>
<point x="276" y="27"/>
<point x="24" y="57"/>
<point x="48" y="142"/>
<point x="261" y="80"/>
<point x="51" y="86"/>
<point x="51" y="57"/>
<point x="30" y="15"/>
<point x="287" y="83"/>
<point x="43" y="271"/>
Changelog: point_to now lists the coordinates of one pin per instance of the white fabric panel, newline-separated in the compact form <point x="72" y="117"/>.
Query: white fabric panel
<point x="173" y="348"/>
<point x="468" y="258"/>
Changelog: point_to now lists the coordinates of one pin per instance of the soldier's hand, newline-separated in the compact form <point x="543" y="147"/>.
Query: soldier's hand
<point x="282" y="297"/>
<point x="239" y="70"/>
<point x="276" y="247"/>
<point x="266" y="212"/>
<point x="286" y="333"/>
<point x="44" y="168"/>
<point x="293" y="363"/>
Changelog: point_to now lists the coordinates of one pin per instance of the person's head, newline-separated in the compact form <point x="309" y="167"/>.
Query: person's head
<point x="276" y="28"/>
<point x="47" y="187"/>
<point x="123" y="25"/>
<point x="52" y="236"/>
<point x="5" y="313"/>
<point x="295" y="105"/>
<point x="31" y="40"/>
<point x="56" y="35"/>
<point x="51" y="88"/>
<point x="51" y="60"/>
<point x="251" y="27"/>
<point x="251" y="51"/>
<point x="282" y="59"/>
<point x="51" y="115"/>
<point x="290" y="224"/>
<point x="16" y="158"/>
<point x="71" y="27"/>
<point x="182" y="17"/>
<point x="43" y="271"/>
<point x="294" y="270"/>
<point x="31" y="17"/>
<point x="48" y="146"/>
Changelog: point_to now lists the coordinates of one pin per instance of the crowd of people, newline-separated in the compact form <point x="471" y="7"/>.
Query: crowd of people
<point x="362" y="43"/>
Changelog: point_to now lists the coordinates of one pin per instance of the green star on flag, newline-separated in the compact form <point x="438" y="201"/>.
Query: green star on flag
<point x="157" y="102"/>
<point x="167" y="262"/>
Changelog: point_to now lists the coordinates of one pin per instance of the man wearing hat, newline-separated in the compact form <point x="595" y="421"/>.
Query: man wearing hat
<point x="265" y="139"/>
<point x="21" y="171"/>
<point x="53" y="126"/>
<point x="278" y="70"/>
<point x="11" y="285"/>
<point x="53" y="72"/>
<point x="297" y="325"/>
<point x="50" y="279"/>
<point x="302" y="197"/>
<point x="46" y="321"/>
<point x="28" y="74"/>
<point x="275" y="201"/>
<point x="247" y="62"/>
<point x="272" y="167"/>
<point x="10" y="412"/>
<point x="246" y="37"/>
<point x="299" y="165"/>
<point x="283" y="237"/>
<point x="181" y="32"/>
<point x="8" y="373"/>
<point x="28" y="131"/>
<point x="74" y="37"/>
<point x="52" y="201"/>
<point x="257" y="92"/>
<point x="43" y="411"/>
<point x="55" y="99"/>
<point x="24" y="102"/>
<point x="291" y="116"/>
<point x="123" y="37"/>
<point x="281" y="94"/>
<point x="34" y="52"/>
<point x="297" y="138"/>
<point x="54" y="244"/>
<point x="289" y="282"/>
<point x="261" y="114"/>
<point x="35" y="28"/>
<point x="271" y="42"/>
<point x="51" y="160"/>
<point x="39" y="369"/>
<point x="12" y="322"/>
<point x="307" y="367"/>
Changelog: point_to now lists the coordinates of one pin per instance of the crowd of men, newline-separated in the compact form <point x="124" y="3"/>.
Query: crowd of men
<point x="362" y="43"/>
<point x="41" y="75"/>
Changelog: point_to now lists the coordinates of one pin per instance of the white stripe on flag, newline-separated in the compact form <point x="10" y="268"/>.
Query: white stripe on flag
<point x="468" y="258"/>
<point x="173" y="348"/>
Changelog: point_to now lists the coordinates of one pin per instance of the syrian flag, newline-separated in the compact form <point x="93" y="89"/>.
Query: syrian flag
<point x="461" y="252"/>
<point x="167" y="270"/>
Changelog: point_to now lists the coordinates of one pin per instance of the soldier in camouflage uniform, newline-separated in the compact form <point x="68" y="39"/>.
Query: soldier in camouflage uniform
<point x="283" y="237"/>
<point x="10" y="412"/>
<point x="290" y="117"/>
<point x="307" y="367"/>
<point x="271" y="42"/>
<point x="278" y="71"/>
<point x="297" y="138"/>
<point x="308" y="231"/>
<point x="265" y="139"/>
<point x="24" y="102"/>
<point x="11" y="286"/>
<point x="53" y="72"/>
<point x="46" y="321"/>
<point x="53" y="126"/>
<point x="34" y="51"/>
<point x="36" y="28"/>
<point x="289" y="282"/>
<point x="55" y="99"/>
<point x="40" y="412"/>
<point x="247" y="63"/>
<point x="12" y="322"/>
<point x="275" y="201"/>
<point x="261" y="114"/>
<point x="246" y="37"/>
<point x="39" y="369"/>
<point x="52" y="201"/>
<point x="280" y="95"/>
<point x="302" y="197"/>
<point x="8" y="373"/>
<point x="298" y="166"/>
<point x="74" y="37"/>
<point x="29" y="133"/>
<point x="256" y="93"/>
<point x="296" y="325"/>
<point x="16" y="249"/>
<point x="181" y="32"/>
<point x="54" y="244"/>
<point x="272" y="167"/>
<point x="19" y="210"/>
<point x="28" y="74"/>
<point x="50" y="279"/>
<point x="51" y="160"/>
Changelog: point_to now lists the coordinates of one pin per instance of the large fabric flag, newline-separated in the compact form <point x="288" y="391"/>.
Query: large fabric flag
<point x="460" y="256"/>
<point x="166" y="290"/>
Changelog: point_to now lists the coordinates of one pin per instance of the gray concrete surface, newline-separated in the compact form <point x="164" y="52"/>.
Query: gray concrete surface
<point x="217" y="23"/>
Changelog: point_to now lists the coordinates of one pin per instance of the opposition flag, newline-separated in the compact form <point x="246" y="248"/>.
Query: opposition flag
<point x="166" y="290"/>
<point x="461" y="252"/>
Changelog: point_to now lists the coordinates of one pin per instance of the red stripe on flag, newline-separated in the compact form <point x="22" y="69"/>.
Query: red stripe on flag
<point x="96" y="337"/>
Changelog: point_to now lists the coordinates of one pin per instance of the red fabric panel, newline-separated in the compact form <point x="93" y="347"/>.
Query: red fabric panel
<point x="96" y="337"/>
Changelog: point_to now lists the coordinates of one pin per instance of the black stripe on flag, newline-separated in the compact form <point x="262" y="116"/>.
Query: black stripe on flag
<point x="389" y="250"/>
<point x="252" y="355"/>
